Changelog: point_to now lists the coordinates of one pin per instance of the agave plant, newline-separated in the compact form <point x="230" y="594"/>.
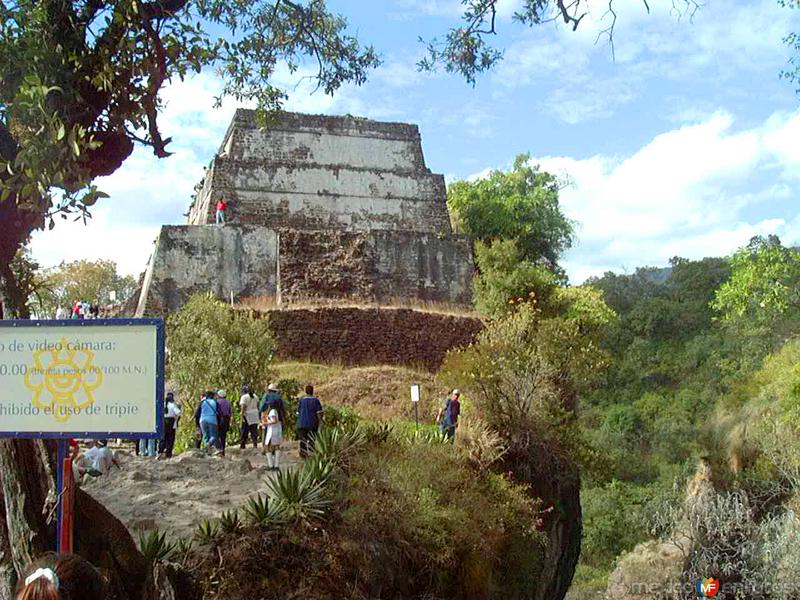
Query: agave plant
<point x="229" y="521"/>
<point x="184" y="546"/>
<point x="260" y="511"/>
<point x="335" y="443"/>
<point x="154" y="545"/>
<point x="432" y="436"/>
<point x="207" y="532"/>
<point x="318" y="467"/>
<point x="299" y="496"/>
<point x="426" y="435"/>
<point x="378" y="432"/>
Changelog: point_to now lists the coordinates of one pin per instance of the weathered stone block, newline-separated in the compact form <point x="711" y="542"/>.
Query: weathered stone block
<point x="231" y="259"/>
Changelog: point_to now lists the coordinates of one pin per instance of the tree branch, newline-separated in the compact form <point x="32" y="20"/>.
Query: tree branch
<point x="158" y="73"/>
<point x="161" y="10"/>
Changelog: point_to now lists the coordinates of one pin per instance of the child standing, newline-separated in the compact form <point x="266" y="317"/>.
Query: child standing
<point x="273" y="438"/>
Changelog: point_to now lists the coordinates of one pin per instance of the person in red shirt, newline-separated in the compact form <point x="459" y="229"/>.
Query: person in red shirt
<point x="222" y="205"/>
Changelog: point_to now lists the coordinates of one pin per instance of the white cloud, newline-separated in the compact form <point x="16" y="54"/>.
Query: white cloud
<point x="685" y="193"/>
<point x="693" y="192"/>
<point x="582" y="83"/>
<point x="431" y="8"/>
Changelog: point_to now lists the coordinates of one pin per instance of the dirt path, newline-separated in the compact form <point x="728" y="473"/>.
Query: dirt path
<point x="179" y="493"/>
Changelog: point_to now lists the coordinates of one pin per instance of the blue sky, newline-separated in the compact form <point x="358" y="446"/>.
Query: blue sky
<point x="685" y="143"/>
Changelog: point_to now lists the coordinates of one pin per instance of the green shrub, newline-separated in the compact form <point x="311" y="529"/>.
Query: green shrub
<point x="260" y="511"/>
<point x="298" y="495"/>
<point x="214" y="347"/>
<point x="339" y="417"/>
<point x="154" y="545"/>
<point x="462" y="533"/>
<point x="614" y="521"/>
<point x="229" y="522"/>
<point x="503" y="279"/>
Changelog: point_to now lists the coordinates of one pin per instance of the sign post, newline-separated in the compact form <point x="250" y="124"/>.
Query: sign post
<point x="80" y="378"/>
<point x="415" y="402"/>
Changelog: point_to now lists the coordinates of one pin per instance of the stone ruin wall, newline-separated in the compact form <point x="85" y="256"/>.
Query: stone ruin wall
<point x="294" y="267"/>
<point x="324" y="210"/>
<point x="387" y="336"/>
<point x="317" y="172"/>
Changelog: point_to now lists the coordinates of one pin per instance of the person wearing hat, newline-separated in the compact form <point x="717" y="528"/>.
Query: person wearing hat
<point x="248" y="404"/>
<point x="447" y="419"/>
<point x="224" y="411"/>
<point x="271" y="400"/>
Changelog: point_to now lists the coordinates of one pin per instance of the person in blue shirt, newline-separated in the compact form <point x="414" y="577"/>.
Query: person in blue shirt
<point x="309" y="411"/>
<point x="206" y="418"/>
<point x="447" y="419"/>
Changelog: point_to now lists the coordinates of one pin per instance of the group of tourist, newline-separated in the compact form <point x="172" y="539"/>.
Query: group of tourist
<point x="214" y="413"/>
<point x="80" y="310"/>
<point x="213" y="420"/>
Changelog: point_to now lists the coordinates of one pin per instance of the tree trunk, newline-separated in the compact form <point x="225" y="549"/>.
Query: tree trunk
<point x="8" y="576"/>
<point x="27" y="483"/>
<point x="13" y="300"/>
<point x="105" y="542"/>
<point x="17" y="224"/>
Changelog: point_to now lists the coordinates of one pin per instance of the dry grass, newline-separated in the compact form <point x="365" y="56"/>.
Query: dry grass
<point x="380" y="392"/>
<point x="267" y="303"/>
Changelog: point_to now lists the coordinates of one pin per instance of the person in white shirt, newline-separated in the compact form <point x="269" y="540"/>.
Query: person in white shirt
<point x="248" y="404"/>
<point x="273" y="438"/>
<point x="96" y="461"/>
<point x="172" y="413"/>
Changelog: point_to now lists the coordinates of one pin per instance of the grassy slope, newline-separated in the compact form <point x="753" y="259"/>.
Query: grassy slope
<point x="380" y="392"/>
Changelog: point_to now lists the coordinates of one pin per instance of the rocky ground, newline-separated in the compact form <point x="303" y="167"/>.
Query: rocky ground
<point x="179" y="493"/>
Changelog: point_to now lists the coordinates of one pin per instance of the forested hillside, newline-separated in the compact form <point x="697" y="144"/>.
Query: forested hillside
<point x="703" y="374"/>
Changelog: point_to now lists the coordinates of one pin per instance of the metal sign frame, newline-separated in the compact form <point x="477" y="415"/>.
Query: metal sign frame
<point x="159" y="389"/>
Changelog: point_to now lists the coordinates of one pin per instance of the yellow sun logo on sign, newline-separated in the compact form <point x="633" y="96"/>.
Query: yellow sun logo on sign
<point x="63" y="379"/>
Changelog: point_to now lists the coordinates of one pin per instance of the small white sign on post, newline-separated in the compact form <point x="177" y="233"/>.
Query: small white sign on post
<point x="415" y="392"/>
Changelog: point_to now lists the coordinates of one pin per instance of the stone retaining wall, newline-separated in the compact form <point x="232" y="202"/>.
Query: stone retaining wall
<point x="369" y="336"/>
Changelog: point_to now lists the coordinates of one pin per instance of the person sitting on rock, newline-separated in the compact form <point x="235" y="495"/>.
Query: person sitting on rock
<point x="96" y="461"/>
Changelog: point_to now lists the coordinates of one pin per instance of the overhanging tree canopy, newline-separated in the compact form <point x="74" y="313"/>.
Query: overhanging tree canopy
<point x="81" y="82"/>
